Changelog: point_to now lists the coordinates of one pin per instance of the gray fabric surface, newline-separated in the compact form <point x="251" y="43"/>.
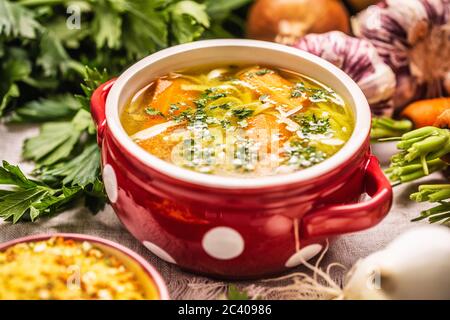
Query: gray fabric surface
<point x="345" y="249"/>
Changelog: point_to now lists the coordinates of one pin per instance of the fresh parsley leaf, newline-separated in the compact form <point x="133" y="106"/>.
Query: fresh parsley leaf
<point x="58" y="107"/>
<point x="189" y="20"/>
<point x="235" y="294"/>
<point x="28" y="199"/>
<point x="106" y="26"/>
<point x="57" y="139"/>
<point x="82" y="170"/>
<point x="92" y="79"/>
<point x="54" y="58"/>
<point x="16" y="204"/>
<point x="17" y="21"/>
<point x="14" y="68"/>
<point x="94" y="196"/>
<point x="12" y="175"/>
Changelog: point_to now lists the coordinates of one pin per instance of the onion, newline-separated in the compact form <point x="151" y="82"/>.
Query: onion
<point x="285" y="21"/>
<point x="360" y="60"/>
<point x="416" y="265"/>
<point x="413" y="38"/>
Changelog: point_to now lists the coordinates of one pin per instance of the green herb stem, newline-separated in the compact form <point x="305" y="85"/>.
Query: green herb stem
<point x="385" y="127"/>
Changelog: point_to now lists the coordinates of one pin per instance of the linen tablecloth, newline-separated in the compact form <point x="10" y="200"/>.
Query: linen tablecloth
<point x="345" y="250"/>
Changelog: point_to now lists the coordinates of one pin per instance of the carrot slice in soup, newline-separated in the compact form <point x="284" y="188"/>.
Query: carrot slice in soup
<point x="169" y="92"/>
<point x="268" y="82"/>
<point x="266" y="129"/>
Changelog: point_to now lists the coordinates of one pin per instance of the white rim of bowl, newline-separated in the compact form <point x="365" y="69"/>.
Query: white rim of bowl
<point x="358" y="137"/>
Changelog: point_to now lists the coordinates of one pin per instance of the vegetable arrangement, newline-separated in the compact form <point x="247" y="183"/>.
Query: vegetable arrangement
<point x="44" y="47"/>
<point x="400" y="54"/>
<point x="413" y="266"/>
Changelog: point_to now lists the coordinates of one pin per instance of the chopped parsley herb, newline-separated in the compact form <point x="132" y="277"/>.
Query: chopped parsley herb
<point x="263" y="72"/>
<point x="225" y="123"/>
<point x="154" y="112"/>
<point x="208" y="95"/>
<point x="302" y="155"/>
<point x="310" y="124"/>
<point x="184" y="115"/>
<point x="224" y="106"/>
<point x="259" y="72"/>
<point x="314" y="94"/>
<point x="298" y="90"/>
<point x="242" y="113"/>
<point x="173" y="107"/>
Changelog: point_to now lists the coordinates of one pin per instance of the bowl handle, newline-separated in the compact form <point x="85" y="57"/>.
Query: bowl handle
<point x="98" y="103"/>
<point x="337" y="219"/>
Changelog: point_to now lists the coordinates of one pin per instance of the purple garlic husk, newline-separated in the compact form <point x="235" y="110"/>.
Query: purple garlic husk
<point x="413" y="38"/>
<point x="360" y="60"/>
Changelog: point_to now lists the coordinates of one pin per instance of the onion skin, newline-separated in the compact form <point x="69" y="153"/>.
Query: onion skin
<point x="412" y="37"/>
<point x="360" y="60"/>
<point x="285" y="21"/>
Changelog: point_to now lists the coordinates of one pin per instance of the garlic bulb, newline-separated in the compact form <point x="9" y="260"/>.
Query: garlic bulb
<point x="413" y="38"/>
<point x="416" y="265"/>
<point x="360" y="60"/>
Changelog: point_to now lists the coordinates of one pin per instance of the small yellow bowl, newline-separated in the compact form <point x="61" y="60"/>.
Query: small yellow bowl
<point x="150" y="280"/>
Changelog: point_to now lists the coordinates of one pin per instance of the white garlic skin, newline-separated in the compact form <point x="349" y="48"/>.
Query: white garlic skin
<point x="416" y="265"/>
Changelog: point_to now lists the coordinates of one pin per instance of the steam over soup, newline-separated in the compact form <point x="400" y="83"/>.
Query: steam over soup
<point x="242" y="121"/>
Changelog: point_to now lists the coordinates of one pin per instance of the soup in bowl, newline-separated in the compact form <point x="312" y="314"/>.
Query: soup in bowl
<point x="244" y="121"/>
<point x="238" y="158"/>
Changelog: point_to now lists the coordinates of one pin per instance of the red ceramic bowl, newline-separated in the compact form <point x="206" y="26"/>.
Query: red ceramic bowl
<point x="147" y="275"/>
<point x="236" y="227"/>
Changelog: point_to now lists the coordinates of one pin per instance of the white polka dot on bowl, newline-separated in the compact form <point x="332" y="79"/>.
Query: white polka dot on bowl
<point x="159" y="252"/>
<point x="223" y="243"/>
<point x="110" y="181"/>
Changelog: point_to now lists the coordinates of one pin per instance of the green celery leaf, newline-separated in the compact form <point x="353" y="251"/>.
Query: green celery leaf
<point x="235" y="294"/>
<point x="189" y="20"/>
<point x="14" y="67"/>
<point x="17" y="21"/>
<point x="56" y="139"/>
<point x="58" y="107"/>
<point x="93" y="79"/>
<point x="16" y="204"/>
<point x="30" y="200"/>
<point x="219" y="9"/>
<point x="54" y="57"/>
<point x="106" y="26"/>
<point x="52" y="203"/>
<point x="95" y="197"/>
<point x="79" y="171"/>
<point x="12" y="175"/>
<point x="144" y="33"/>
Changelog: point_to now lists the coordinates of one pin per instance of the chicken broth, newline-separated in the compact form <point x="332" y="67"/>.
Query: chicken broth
<point x="244" y="121"/>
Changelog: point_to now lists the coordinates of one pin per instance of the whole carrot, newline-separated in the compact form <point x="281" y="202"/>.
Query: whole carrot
<point x="427" y="112"/>
<point x="422" y="113"/>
